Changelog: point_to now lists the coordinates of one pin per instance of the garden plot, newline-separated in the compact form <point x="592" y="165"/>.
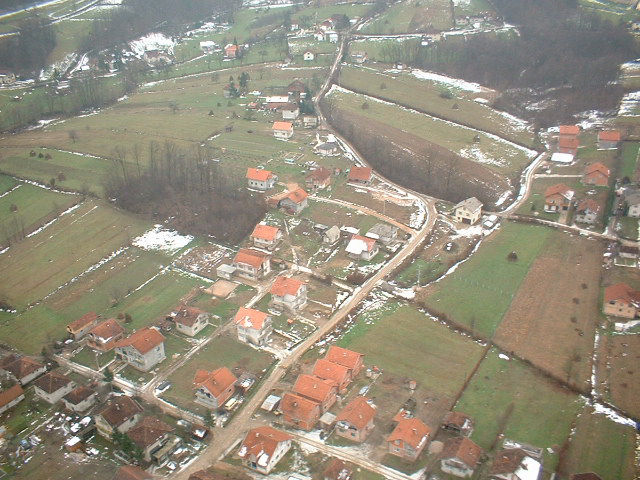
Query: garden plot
<point x="204" y="259"/>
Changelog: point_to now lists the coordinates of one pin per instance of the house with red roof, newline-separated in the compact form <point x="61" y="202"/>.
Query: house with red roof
<point x="458" y="422"/>
<point x="80" y="327"/>
<point x="609" y="139"/>
<point x="143" y="349"/>
<point x="190" y="320"/>
<point x="213" y="389"/>
<point x="340" y="374"/>
<point x="260" y="179"/>
<point x="318" y="179"/>
<point x="253" y="326"/>
<point x="360" y="175"/>
<point x="266" y="236"/>
<point x="289" y="293"/>
<point x="362" y="248"/>
<point x="355" y="420"/>
<point x="568" y="141"/>
<point x="121" y="413"/>
<point x="232" y="51"/>
<point x="263" y="447"/>
<point x="354" y="361"/>
<point x="10" y="397"/>
<point x="294" y="201"/>
<point x="282" y="130"/>
<point x="79" y="399"/>
<point x="557" y="198"/>
<point x="317" y="389"/>
<point x="460" y="457"/>
<point x="409" y="438"/>
<point x="151" y="434"/>
<point x="22" y="369"/>
<point x="596" y="174"/>
<point x="515" y="463"/>
<point x="587" y="211"/>
<point x="620" y="300"/>
<point x="299" y="411"/>
<point x="252" y="264"/>
<point x="105" y="335"/>
<point x="52" y="386"/>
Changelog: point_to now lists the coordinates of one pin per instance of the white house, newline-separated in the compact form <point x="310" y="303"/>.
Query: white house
<point x="11" y="397"/>
<point x="308" y="56"/>
<point x="121" y="413"/>
<point x="515" y="464"/>
<point x="190" y="320"/>
<point x="282" y="130"/>
<point x="23" y="369"/>
<point x="260" y="179"/>
<point x="383" y="232"/>
<point x="143" y="349"/>
<point x="52" y="386"/>
<point x="362" y="248"/>
<point x="332" y="36"/>
<point x="289" y="293"/>
<point x="252" y="264"/>
<point x="290" y="112"/>
<point x="214" y="388"/>
<point x="253" y="326"/>
<point x="263" y="447"/>
<point x="468" y="211"/>
<point x="208" y="46"/>
<point x="460" y="457"/>
<point x="79" y="399"/>
<point x="266" y="236"/>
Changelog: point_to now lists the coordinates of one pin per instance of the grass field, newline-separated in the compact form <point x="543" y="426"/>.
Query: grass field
<point x="495" y="154"/>
<point x="629" y="164"/>
<point x="413" y="16"/>
<point x="472" y="7"/>
<point x="6" y="183"/>
<point x="425" y="95"/>
<point x="629" y="228"/>
<point x="506" y="396"/>
<point x="488" y="281"/>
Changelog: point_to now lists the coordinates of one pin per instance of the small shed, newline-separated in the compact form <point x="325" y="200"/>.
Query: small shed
<point x="225" y="271"/>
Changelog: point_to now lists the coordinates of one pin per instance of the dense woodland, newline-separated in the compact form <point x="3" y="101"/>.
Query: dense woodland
<point x="29" y="49"/>
<point x="187" y="189"/>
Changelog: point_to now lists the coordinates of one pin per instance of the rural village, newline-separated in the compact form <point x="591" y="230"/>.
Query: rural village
<point x="309" y="241"/>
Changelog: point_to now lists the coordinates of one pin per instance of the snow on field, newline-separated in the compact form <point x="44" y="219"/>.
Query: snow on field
<point x="503" y="356"/>
<point x="503" y="198"/>
<point x="152" y="41"/>
<point x="157" y="238"/>
<point x="457" y="3"/>
<point x="10" y="190"/>
<point x="418" y="216"/>
<point x="474" y="153"/>
<point x="624" y="326"/>
<point x="68" y="210"/>
<point x="450" y="81"/>
<point x="629" y="105"/>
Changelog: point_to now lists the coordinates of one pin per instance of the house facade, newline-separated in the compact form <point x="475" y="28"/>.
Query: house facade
<point x="383" y="232"/>
<point x="596" y="174"/>
<point x="282" y="130"/>
<point x="150" y="434"/>
<point x="290" y="112"/>
<point x="213" y="389"/>
<point x="409" y="439"/>
<point x="121" y="413"/>
<point x="263" y="447"/>
<point x="260" y="179"/>
<point x="52" y="386"/>
<point x="609" y="139"/>
<point x="295" y="201"/>
<point x="299" y="412"/>
<point x="632" y="201"/>
<point x="331" y="236"/>
<point x="289" y="293"/>
<point x="80" y="399"/>
<point x="253" y="326"/>
<point x="620" y="300"/>
<point x="360" y="175"/>
<point x="266" y="236"/>
<point x="460" y="457"/>
<point x="80" y="327"/>
<point x="7" y="77"/>
<point x="10" y="397"/>
<point x="468" y="211"/>
<point x="143" y="349"/>
<point x="355" y="421"/>
<point x="309" y="121"/>
<point x="252" y="264"/>
<point x="318" y="179"/>
<point x="339" y="374"/>
<point x="558" y="198"/>
<point x="362" y="248"/>
<point x="190" y="320"/>
<point x="22" y="369"/>
<point x="105" y="335"/>
<point x="324" y="392"/>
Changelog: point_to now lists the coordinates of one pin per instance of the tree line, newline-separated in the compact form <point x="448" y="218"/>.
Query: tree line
<point x="188" y="188"/>
<point x="29" y="49"/>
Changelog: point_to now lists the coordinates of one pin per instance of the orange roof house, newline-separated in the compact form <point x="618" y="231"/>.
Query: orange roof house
<point x="252" y="264"/>
<point x="458" y="422"/>
<point x="609" y="139"/>
<point x="282" y="130"/>
<point x="620" y="300"/>
<point x="354" y="361"/>
<point x="143" y="349"/>
<point x="568" y="145"/>
<point x="132" y="472"/>
<point x="361" y="175"/>
<point x="250" y="318"/>
<point x="286" y="286"/>
<point x="317" y="389"/>
<point x="460" y="457"/>
<point x="569" y="130"/>
<point x="318" y="179"/>
<point x="11" y="397"/>
<point x="214" y="388"/>
<point x="300" y="411"/>
<point x="332" y="371"/>
<point x="259" y="174"/>
<point x="143" y="340"/>
<point x="289" y="293"/>
<point x="23" y="369"/>
<point x="232" y="51"/>
<point x="105" y="335"/>
<point x="78" y="328"/>
<point x="252" y="326"/>
<point x="190" y="320"/>
<point x="596" y="174"/>
<point x="263" y="447"/>
<point x="557" y="197"/>
<point x="355" y="421"/>
<point x="265" y="236"/>
<point x="294" y="201"/>
<point x="409" y="438"/>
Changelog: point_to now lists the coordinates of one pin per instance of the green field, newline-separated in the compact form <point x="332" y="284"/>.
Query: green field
<point x="506" y="396"/>
<point x="488" y="281"/>
<point x="427" y="96"/>
<point x="413" y="16"/>
<point x="472" y="7"/>
<point x="629" y="228"/>
<point x="629" y="164"/>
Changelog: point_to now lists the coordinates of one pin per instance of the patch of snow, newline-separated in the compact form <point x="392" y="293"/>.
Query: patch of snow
<point x="68" y="210"/>
<point x="600" y="409"/>
<point x="503" y="198"/>
<point x="624" y="326"/>
<point x="152" y="41"/>
<point x="449" y="81"/>
<point x="157" y="238"/>
<point x="10" y="190"/>
<point x="503" y="356"/>
<point x="477" y="155"/>
<point x="629" y="105"/>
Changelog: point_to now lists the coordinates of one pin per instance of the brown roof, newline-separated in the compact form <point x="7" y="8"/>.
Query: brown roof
<point x="52" y="382"/>
<point x="314" y="388"/>
<point x="568" y="142"/>
<point x="286" y="286"/>
<point x="299" y="408"/>
<point x="319" y="174"/>
<point x="331" y="371"/>
<point x="262" y="440"/>
<point x="8" y="360"/>
<point x="107" y="330"/>
<point x="358" y="413"/>
<point x="609" y="136"/>
<point x="286" y="126"/>
<point x="187" y="315"/>
<point x="82" y="322"/>
<point x="216" y="381"/>
<point x="588" y="204"/>
<point x="298" y="195"/>
<point x="78" y="394"/>
<point x="342" y="356"/>
<point x="144" y="340"/>
<point x="455" y="418"/>
<point x="265" y="232"/>
<point x="507" y="461"/>
<point x="337" y="470"/>
<point x="569" y="129"/>
<point x="119" y="410"/>
<point x="10" y="394"/>
<point x="250" y="257"/>
<point x="131" y="472"/>
<point x="250" y="318"/>
<point x="462" y="449"/>
<point x="411" y="431"/>
<point x="258" y="174"/>
<point x="621" y="292"/>
<point x="20" y="367"/>
<point x="148" y="431"/>
<point x="597" y="167"/>
<point x="559" y="188"/>
<point x="362" y="174"/>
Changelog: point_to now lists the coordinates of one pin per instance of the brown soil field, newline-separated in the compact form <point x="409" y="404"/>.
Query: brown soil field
<point x="553" y="317"/>
<point x="619" y="372"/>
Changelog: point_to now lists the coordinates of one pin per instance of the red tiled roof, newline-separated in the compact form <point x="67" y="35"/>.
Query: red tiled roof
<point x="507" y="461"/>
<point x="250" y="257"/>
<point x="597" y="167"/>
<point x="108" y="329"/>
<point x="314" y="388"/>
<point x="462" y="449"/>
<point x="259" y="174"/>
<point x="569" y="129"/>
<point x="20" y="367"/>
<point x="331" y="371"/>
<point x="588" y="204"/>
<point x="216" y="382"/>
<point x="457" y="419"/>
<point x="609" y="136"/>
<point x="560" y="188"/>
<point x="568" y="142"/>
<point x="262" y="440"/>
<point x="143" y="340"/>
<point x="358" y="413"/>
<point x="83" y="321"/>
<point x="265" y="232"/>
<point x="10" y="394"/>
<point x="411" y="431"/>
<point x="299" y="408"/>
<point x="187" y="315"/>
<point x="362" y="174"/>
<point x="342" y="356"/>
<point x="319" y="174"/>
<point x="78" y="394"/>
<point x="148" y="431"/>
<point x="298" y="195"/>
<point x="52" y="382"/>
<point x="131" y="472"/>
<point x="285" y="126"/>
<point x="250" y="318"/>
<point x="621" y="292"/>
<point x="286" y="286"/>
<point x="120" y="409"/>
<point x="369" y="242"/>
